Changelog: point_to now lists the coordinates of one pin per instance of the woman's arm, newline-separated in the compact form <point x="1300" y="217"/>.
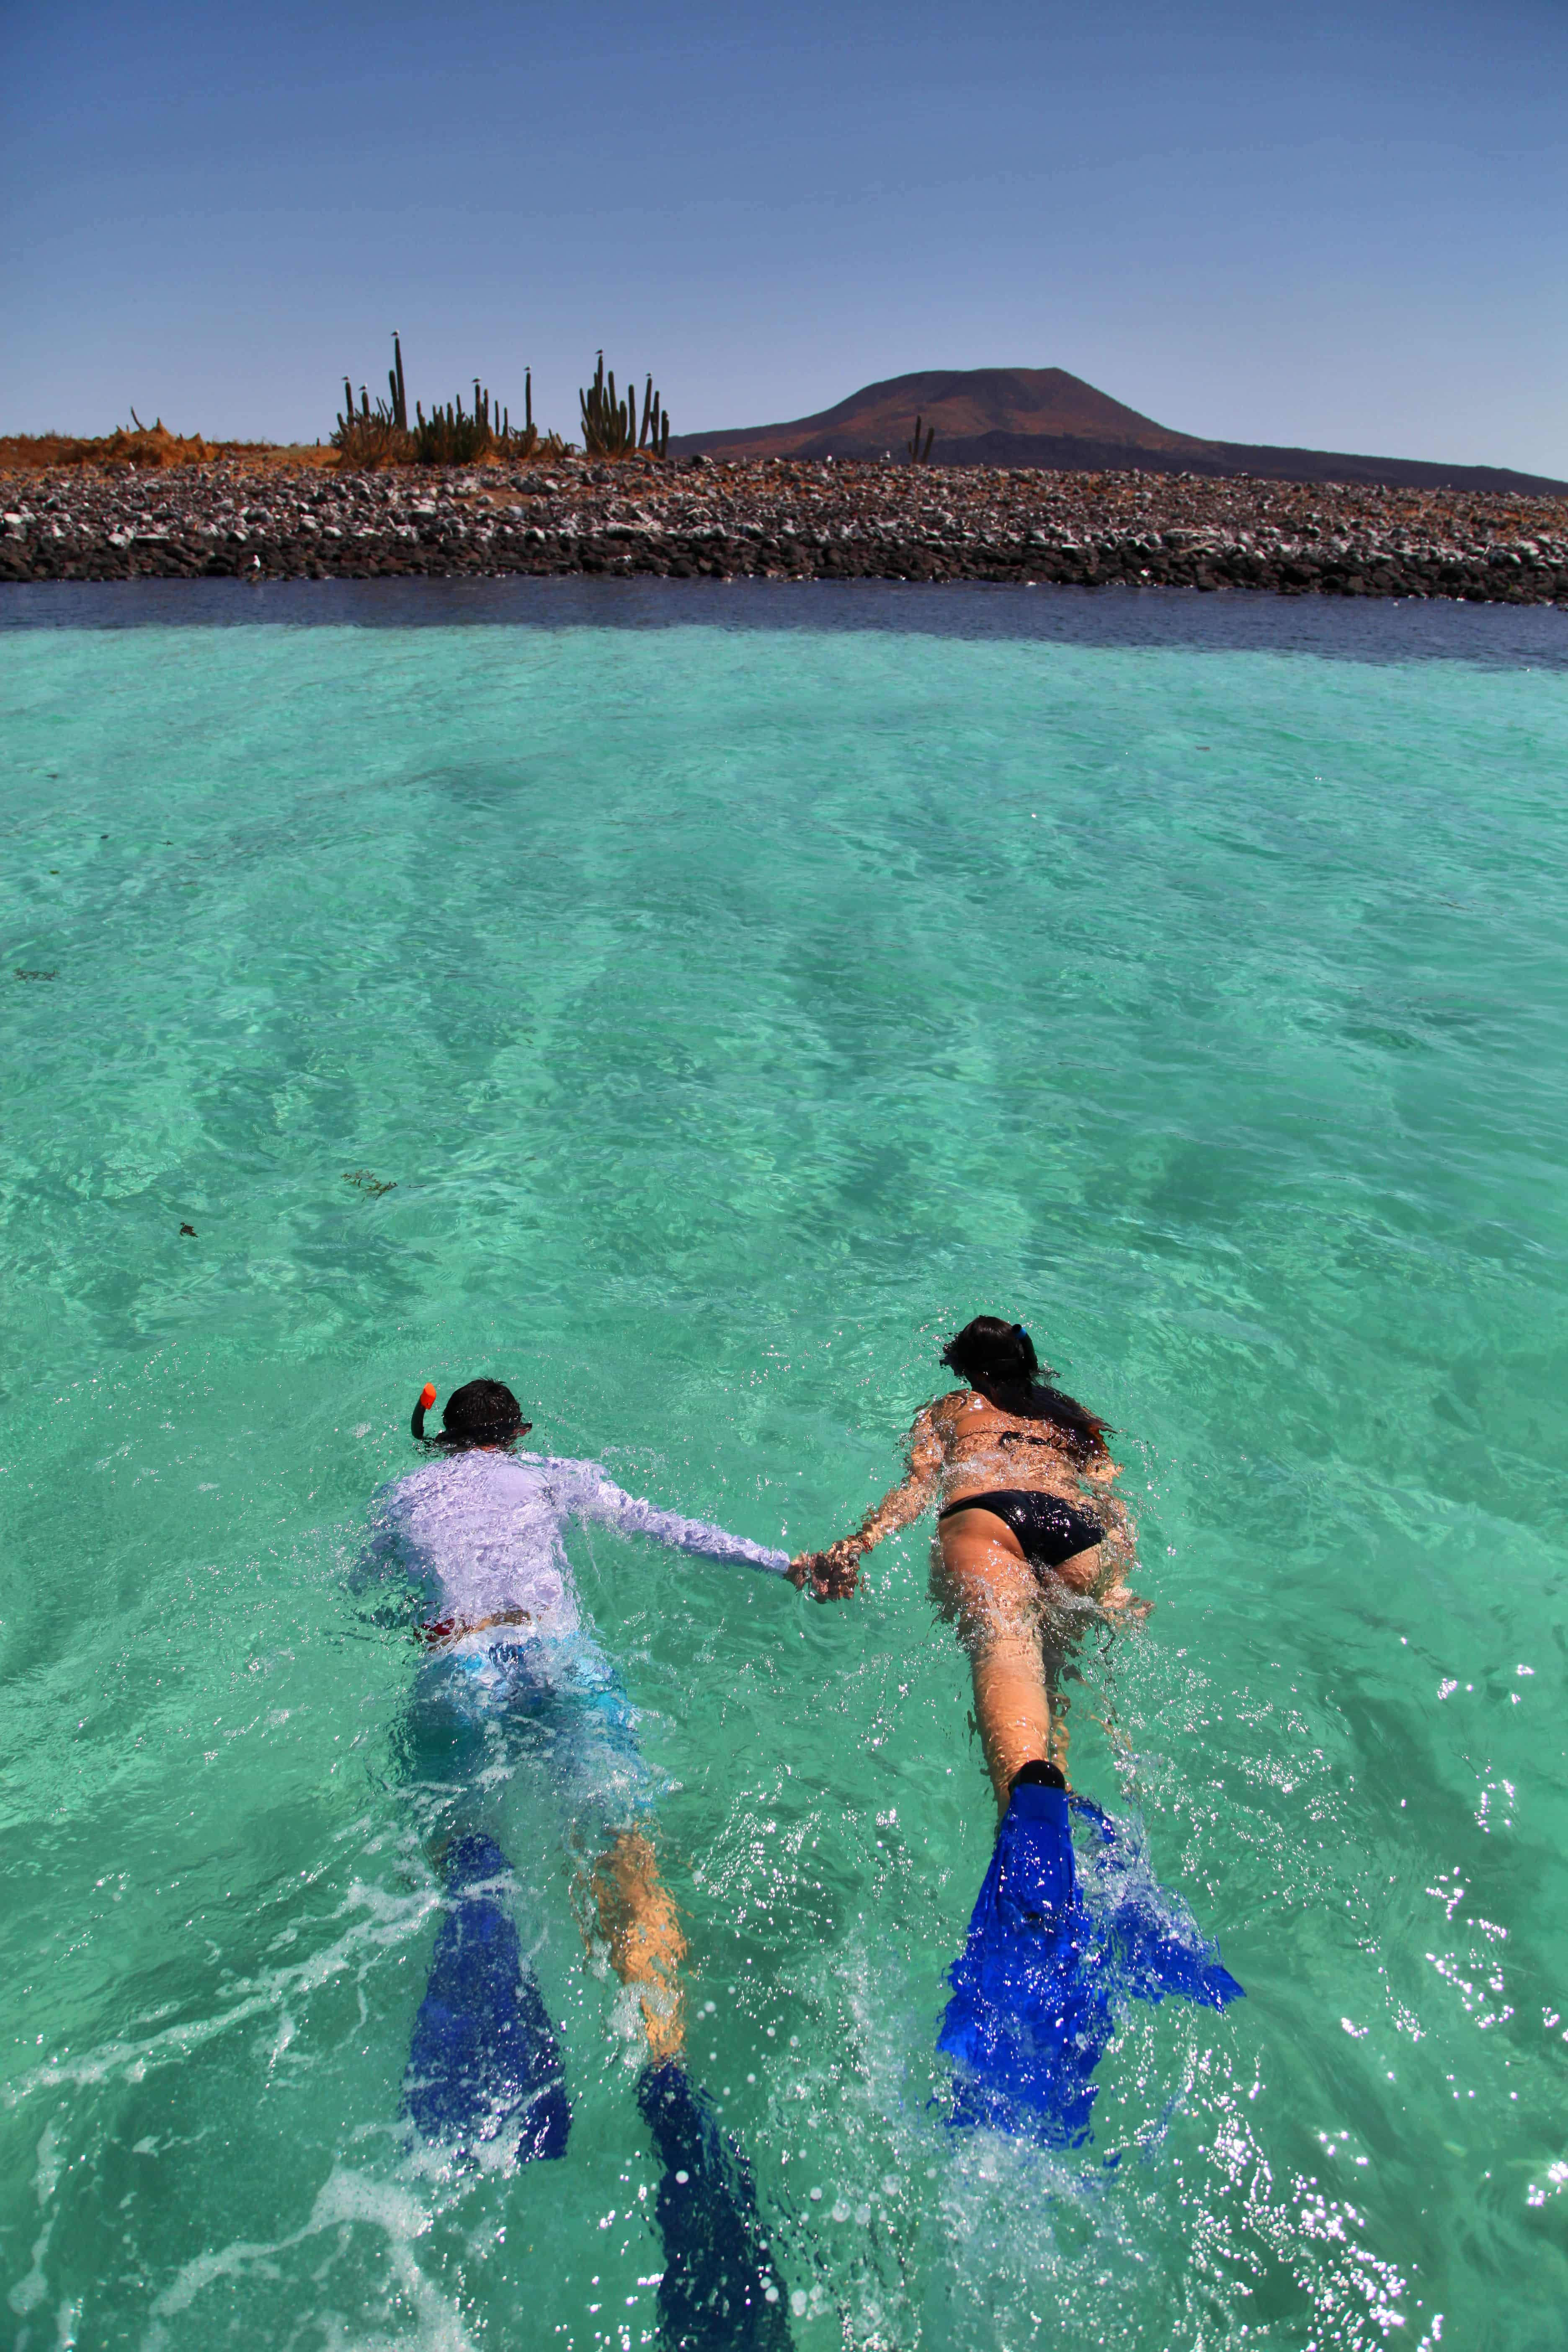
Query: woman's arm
<point x="834" y="1572"/>
<point x="1104" y="1571"/>
<point x="905" y="1502"/>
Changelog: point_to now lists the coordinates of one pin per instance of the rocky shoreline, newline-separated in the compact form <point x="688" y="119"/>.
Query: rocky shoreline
<point x="786" y="520"/>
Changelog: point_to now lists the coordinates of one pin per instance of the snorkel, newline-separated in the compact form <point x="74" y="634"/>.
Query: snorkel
<point x="482" y="1413"/>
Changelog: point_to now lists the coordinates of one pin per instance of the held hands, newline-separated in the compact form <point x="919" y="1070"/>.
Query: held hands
<point x="831" y="1575"/>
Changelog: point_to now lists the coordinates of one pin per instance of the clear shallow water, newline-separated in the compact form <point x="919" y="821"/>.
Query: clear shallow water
<point x="740" y="988"/>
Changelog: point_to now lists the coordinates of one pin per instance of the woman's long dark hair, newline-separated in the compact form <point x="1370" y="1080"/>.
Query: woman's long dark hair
<point x="998" y="1360"/>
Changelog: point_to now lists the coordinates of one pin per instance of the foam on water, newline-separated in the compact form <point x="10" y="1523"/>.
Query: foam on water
<point x="735" y="992"/>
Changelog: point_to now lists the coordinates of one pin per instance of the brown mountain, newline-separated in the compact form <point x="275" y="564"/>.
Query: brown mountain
<point x="1044" y="416"/>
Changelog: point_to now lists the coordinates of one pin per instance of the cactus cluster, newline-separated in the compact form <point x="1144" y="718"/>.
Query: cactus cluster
<point x="448" y="437"/>
<point x="919" y="452"/>
<point x="382" y="435"/>
<point x="451" y="436"/>
<point x="610" y="426"/>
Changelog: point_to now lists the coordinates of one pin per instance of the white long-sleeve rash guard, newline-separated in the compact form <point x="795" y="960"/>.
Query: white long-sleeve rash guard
<point x="481" y="1531"/>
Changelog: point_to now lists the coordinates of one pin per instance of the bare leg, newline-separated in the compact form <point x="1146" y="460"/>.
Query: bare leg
<point x="1016" y="1662"/>
<point x="995" y="1596"/>
<point x="638" y="1920"/>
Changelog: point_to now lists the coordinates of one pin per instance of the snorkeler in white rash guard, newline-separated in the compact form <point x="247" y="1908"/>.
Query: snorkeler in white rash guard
<point x="513" y="1670"/>
<point x="482" y="1527"/>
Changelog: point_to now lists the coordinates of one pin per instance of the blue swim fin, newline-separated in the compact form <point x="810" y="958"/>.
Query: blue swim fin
<point x="720" y="2291"/>
<point x="1030" y="2012"/>
<point x="483" y="2060"/>
<point x="1141" y="1924"/>
<point x="1036" y="1989"/>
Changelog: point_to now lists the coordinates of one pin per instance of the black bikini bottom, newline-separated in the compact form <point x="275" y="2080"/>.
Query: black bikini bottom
<point x="1048" y="1529"/>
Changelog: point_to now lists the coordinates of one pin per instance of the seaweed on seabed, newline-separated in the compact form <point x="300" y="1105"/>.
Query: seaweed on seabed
<point x="365" y="1182"/>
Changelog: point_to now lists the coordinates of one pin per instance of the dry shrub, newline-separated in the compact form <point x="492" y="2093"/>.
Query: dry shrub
<point x="154" y="447"/>
<point x="148" y="449"/>
<point x="366" y="443"/>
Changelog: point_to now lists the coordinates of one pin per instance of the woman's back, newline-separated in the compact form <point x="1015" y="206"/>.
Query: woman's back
<point x="983" y="1445"/>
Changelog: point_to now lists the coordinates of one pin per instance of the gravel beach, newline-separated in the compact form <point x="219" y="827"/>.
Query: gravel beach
<point x="784" y="519"/>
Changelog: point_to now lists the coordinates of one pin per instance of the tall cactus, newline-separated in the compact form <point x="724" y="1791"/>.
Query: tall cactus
<point x="610" y="426"/>
<point x="655" y="433"/>
<point x="919" y="455"/>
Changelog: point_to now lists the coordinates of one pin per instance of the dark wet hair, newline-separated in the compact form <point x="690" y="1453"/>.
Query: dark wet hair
<point x="482" y="1413"/>
<point x="998" y="1360"/>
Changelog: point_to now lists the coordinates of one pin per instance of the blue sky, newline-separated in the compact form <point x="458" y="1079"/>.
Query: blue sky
<point x="1339" y="226"/>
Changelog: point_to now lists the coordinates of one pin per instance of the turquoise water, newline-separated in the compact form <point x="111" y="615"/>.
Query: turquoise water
<point x="738" y="989"/>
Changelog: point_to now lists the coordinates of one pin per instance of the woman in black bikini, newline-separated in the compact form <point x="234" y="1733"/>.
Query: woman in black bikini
<point x="1009" y="1457"/>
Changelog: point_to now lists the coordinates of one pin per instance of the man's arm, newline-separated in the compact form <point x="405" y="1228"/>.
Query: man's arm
<point x="593" y="1496"/>
<point x="384" y="1578"/>
<point x="381" y="1557"/>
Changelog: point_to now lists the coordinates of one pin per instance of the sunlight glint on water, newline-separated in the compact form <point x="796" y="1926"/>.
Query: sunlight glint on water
<point x="733" y="1008"/>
